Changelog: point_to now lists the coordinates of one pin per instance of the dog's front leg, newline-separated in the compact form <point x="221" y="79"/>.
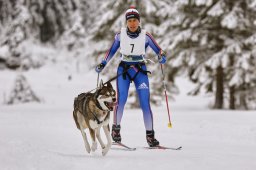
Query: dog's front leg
<point x="86" y="143"/>
<point x="94" y="143"/>
<point x="107" y="133"/>
<point x="99" y="138"/>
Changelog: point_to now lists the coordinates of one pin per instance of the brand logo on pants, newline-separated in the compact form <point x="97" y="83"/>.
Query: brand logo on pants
<point x="143" y="86"/>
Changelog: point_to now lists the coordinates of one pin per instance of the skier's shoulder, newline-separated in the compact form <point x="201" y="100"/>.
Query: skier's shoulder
<point x="117" y="36"/>
<point x="118" y="33"/>
<point x="148" y="34"/>
<point x="150" y="38"/>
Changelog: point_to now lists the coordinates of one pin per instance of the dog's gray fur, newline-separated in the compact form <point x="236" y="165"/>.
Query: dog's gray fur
<point x="92" y="110"/>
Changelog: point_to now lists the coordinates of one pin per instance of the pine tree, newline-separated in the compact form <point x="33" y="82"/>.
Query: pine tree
<point x="211" y="44"/>
<point x="41" y="22"/>
<point x="22" y="92"/>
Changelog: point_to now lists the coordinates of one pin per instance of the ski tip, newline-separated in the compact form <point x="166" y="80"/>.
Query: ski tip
<point x="169" y="125"/>
<point x="164" y="148"/>
<point x="123" y="149"/>
<point x="179" y="148"/>
<point x="122" y="146"/>
<point x="132" y="149"/>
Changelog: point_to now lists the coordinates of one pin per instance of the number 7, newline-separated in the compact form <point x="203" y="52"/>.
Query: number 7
<point x="132" y="47"/>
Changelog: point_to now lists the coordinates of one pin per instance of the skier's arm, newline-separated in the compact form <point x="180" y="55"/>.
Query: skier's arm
<point x="109" y="54"/>
<point x="155" y="47"/>
<point x="112" y="50"/>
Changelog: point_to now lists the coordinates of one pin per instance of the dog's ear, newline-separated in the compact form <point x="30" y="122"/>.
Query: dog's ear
<point x="101" y="83"/>
<point x="109" y="85"/>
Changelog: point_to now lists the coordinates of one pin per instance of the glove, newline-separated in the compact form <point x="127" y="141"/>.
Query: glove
<point x="162" y="57"/>
<point x="100" y="67"/>
<point x="162" y="60"/>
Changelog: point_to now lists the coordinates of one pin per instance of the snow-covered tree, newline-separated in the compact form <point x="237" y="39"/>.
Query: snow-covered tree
<point x="41" y="22"/>
<point x="22" y="92"/>
<point x="214" y="42"/>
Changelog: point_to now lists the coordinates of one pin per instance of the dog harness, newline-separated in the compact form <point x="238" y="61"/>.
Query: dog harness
<point x="95" y="98"/>
<point x="83" y="95"/>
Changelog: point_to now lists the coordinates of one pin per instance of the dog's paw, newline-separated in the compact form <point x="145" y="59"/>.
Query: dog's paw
<point x="105" y="150"/>
<point x="88" y="149"/>
<point x="94" y="146"/>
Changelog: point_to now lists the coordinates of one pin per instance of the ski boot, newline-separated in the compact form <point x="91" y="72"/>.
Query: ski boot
<point x="116" y="133"/>
<point x="150" y="136"/>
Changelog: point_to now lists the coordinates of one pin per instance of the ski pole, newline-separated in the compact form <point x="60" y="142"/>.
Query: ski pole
<point x="166" y="98"/>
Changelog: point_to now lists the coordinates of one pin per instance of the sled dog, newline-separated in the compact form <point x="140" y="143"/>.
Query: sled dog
<point x="92" y="111"/>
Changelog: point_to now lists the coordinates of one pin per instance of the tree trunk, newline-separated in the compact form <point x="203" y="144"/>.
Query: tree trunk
<point x="219" y="89"/>
<point x="243" y="102"/>
<point x="232" y="98"/>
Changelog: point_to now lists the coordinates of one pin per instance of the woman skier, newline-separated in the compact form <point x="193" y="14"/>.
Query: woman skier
<point x="133" y="42"/>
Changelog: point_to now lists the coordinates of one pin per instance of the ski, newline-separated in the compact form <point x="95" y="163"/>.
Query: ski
<point x="122" y="146"/>
<point x="164" y="147"/>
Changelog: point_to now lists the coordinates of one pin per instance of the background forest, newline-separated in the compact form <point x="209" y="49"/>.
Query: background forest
<point x="210" y="42"/>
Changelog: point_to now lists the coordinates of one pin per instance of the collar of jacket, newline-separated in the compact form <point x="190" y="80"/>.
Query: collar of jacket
<point x="133" y="34"/>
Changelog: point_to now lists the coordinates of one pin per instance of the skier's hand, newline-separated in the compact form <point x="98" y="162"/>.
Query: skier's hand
<point x="100" y="67"/>
<point x="162" y="59"/>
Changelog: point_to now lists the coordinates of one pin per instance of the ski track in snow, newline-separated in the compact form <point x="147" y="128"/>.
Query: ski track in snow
<point x="44" y="136"/>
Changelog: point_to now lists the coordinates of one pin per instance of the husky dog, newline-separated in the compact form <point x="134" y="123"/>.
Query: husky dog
<point x="92" y="110"/>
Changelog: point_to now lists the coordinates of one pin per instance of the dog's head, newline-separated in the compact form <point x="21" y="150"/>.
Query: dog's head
<point x="106" y="96"/>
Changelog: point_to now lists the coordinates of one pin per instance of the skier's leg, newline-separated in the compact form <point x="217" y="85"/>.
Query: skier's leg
<point x="122" y="85"/>
<point x="142" y="87"/>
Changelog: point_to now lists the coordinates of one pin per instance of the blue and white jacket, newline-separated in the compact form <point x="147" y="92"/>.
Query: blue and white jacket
<point x="150" y="41"/>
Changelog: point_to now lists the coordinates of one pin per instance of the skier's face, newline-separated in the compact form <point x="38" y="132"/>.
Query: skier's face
<point x="133" y="24"/>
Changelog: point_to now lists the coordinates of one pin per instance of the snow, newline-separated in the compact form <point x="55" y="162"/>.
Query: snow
<point x="253" y="4"/>
<point x="182" y="2"/>
<point x="203" y="2"/>
<point x="234" y="47"/>
<point x="177" y="62"/>
<point x="230" y="21"/>
<point x="150" y="8"/>
<point x="181" y="37"/>
<point x="192" y="58"/>
<point x="244" y="61"/>
<point x="215" y="60"/>
<point x="236" y="79"/>
<point x="225" y="60"/>
<point x="4" y="52"/>
<point x="44" y="136"/>
<point x="216" y="10"/>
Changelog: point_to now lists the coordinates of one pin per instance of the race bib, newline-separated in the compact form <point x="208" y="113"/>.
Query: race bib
<point x="132" y="46"/>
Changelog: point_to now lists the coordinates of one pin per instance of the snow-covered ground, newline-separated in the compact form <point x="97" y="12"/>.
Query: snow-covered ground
<point x="44" y="136"/>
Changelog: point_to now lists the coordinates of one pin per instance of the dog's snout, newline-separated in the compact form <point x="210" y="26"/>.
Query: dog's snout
<point x="114" y="99"/>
